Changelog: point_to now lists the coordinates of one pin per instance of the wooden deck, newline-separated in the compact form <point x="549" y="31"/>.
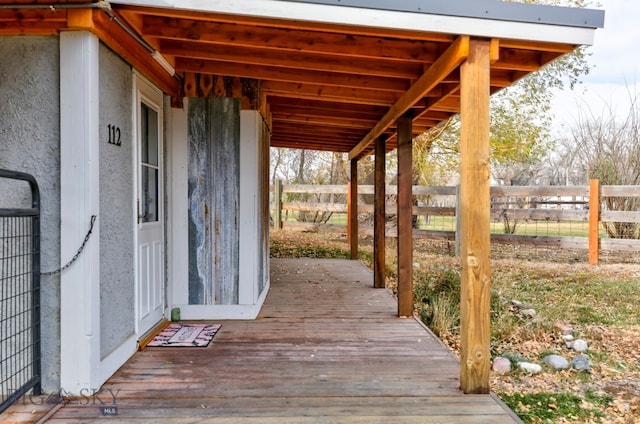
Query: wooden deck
<point x="326" y="348"/>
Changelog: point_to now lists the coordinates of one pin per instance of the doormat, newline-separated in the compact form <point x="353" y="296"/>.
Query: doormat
<point x="185" y="335"/>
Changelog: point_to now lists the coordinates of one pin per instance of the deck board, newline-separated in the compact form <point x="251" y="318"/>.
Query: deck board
<point x="326" y="348"/>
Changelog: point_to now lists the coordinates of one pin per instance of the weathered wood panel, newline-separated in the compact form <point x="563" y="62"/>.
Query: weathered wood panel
<point x="326" y="348"/>
<point x="621" y="245"/>
<point x="214" y="181"/>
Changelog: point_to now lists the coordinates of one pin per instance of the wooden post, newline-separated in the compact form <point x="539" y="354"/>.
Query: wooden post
<point x="405" y="212"/>
<point x="352" y="210"/>
<point x="594" y="222"/>
<point x="277" y="205"/>
<point x="457" y="221"/>
<point x="379" y="214"/>
<point x="475" y="238"/>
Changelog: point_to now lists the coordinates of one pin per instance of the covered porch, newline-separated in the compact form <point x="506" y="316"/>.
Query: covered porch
<point x="326" y="347"/>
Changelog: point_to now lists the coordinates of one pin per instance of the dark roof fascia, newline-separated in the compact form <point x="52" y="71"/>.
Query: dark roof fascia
<point x="483" y="9"/>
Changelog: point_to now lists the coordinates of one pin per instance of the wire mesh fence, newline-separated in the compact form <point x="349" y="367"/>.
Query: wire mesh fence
<point x="544" y="223"/>
<point x="19" y="296"/>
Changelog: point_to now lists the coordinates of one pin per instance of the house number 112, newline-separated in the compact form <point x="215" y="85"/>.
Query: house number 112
<point x="114" y="135"/>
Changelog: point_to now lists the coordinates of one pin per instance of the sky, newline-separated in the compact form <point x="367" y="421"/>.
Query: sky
<point x="615" y="67"/>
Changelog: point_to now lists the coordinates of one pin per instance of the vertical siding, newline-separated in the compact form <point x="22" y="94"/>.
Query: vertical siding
<point x="214" y="183"/>
<point x="200" y="279"/>
<point x="225" y="197"/>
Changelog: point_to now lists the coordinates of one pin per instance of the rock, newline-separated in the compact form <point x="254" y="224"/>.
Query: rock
<point x="528" y="312"/>
<point x="579" y="345"/>
<point x="564" y="329"/>
<point x="530" y="367"/>
<point x="517" y="304"/>
<point x="581" y="363"/>
<point x="501" y="365"/>
<point x="567" y="337"/>
<point x="556" y="362"/>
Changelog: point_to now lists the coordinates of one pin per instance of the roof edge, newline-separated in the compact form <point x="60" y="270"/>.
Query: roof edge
<point x="510" y="22"/>
<point x="483" y="9"/>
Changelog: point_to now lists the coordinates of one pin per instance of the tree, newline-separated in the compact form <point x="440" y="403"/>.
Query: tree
<point x="520" y="123"/>
<point x="607" y="148"/>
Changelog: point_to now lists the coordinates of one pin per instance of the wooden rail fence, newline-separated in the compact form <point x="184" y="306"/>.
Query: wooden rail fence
<point x="515" y="203"/>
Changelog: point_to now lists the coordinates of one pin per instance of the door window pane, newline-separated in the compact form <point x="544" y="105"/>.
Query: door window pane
<point x="149" y="201"/>
<point x="149" y="136"/>
<point x="149" y="164"/>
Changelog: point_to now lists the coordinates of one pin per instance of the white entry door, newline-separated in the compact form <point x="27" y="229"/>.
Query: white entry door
<point x="150" y="279"/>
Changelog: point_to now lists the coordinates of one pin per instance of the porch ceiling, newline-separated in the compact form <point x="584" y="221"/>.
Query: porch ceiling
<point x="331" y="85"/>
<point x="327" y="85"/>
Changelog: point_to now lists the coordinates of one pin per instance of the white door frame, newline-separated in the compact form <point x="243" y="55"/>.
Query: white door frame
<point x="145" y="92"/>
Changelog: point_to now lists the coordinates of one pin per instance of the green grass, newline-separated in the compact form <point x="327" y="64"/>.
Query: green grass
<point x="549" y="407"/>
<point x="448" y="223"/>
<point x="581" y="298"/>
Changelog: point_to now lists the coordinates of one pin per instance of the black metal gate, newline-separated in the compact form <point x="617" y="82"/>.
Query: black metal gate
<point x="19" y="295"/>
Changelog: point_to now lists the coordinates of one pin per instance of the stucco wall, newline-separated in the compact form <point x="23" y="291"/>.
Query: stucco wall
<point x="117" y="313"/>
<point x="30" y="142"/>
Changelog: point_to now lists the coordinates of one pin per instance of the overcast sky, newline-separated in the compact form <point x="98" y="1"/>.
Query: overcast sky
<point x="615" y="64"/>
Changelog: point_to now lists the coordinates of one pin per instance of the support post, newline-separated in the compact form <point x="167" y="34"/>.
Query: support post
<point x="475" y="235"/>
<point x="594" y="222"/>
<point x="352" y="210"/>
<point x="79" y="200"/>
<point x="405" y="214"/>
<point x="379" y="214"/>
<point x="457" y="221"/>
<point x="277" y="205"/>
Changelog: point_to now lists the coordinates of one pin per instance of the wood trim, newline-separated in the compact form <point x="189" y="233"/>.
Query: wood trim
<point x="133" y="52"/>
<point x="149" y="335"/>
<point x="474" y="219"/>
<point x="443" y="66"/>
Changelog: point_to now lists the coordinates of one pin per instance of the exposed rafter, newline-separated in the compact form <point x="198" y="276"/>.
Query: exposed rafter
<point x="320" y="85"/>
<point x="446" y="63"/>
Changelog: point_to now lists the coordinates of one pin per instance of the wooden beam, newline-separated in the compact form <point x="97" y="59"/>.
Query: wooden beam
<point x="133" y="52"/>
<point x="404" y="216"/>
<point x="352" y="207"/>
<point x="288" y="23"/>
<point x="326" y="108"/>
<point x="333" y="121"/>
<point x="325" y="62"/>
<point x="379" y="215"/>
<point x="350" y="95"/>
<point x="446" y="63"/>
<point x="274" y="73"/>
<point x="315" y="41"/>
<point x="594" y="221"/>
<point x="475" y="219"/>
